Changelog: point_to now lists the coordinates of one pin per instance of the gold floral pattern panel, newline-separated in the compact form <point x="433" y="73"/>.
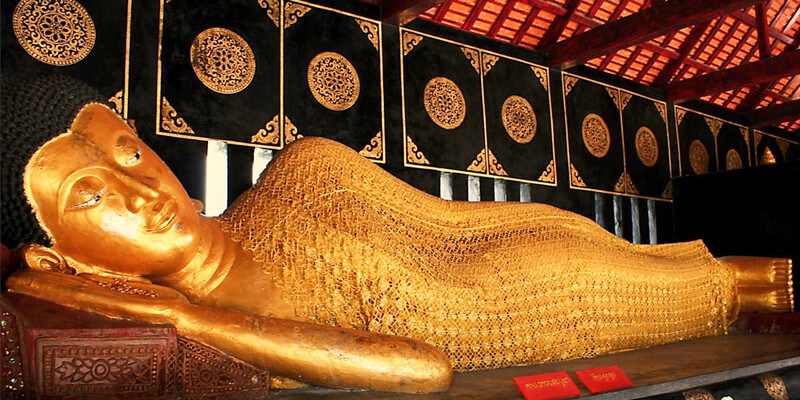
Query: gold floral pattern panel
<point x="333" y="77"/>
<point x="442" y="105"/>
<point x="219" y="71"/>
<point x="519" y="131"/>
<point x="86" y="39"/>
<point x="697" y="142"/>
<point x="648" y="162"/>
<point x="594" y="135"/>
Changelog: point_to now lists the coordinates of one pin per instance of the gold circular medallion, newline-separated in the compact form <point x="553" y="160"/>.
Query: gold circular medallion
<point x="596" y="136"/>
<point x="698" y="157"/>
<point x="333" y="81"/>
<point x="519" y="119"/>
<point x="733" y="160"/>
<point x="444" y="102"/>
<point x="646" y="146"/>
<point x="222" y="60"/>
<point x="55" y="32"/>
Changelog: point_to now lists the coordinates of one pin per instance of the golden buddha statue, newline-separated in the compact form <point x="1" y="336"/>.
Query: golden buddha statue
<point x="331" y="271"/>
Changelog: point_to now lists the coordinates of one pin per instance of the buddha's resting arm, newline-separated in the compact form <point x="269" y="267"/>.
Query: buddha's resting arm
<point x="317" y="354"/>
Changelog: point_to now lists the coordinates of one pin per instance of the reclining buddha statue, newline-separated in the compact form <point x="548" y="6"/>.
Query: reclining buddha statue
<point x="331" y="271"/>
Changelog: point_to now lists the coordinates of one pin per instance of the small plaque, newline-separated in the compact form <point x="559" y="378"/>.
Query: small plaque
<point x="555" y="385"/>
<point x="603" y="379"/>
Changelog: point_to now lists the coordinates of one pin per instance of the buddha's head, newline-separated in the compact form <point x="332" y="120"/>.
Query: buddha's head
<point x="104" y="201"/>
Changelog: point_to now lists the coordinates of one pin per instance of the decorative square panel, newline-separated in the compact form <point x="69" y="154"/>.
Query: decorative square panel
<point x="594" y="135"/>
<point x="733" y="146"/>
<point x="219" y="71"/>
<point x="86" y="39"/>
<point x="443" y="124"/>
<point x="333" y="84"/>
<point x="519" y="130"/>
<point x="697" y="144"/>
<point x="647" y="146"/>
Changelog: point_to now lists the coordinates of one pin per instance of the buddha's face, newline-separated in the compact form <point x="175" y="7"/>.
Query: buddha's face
<point x="108" y="201"/>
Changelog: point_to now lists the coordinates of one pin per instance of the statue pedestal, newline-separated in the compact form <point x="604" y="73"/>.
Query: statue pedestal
<point x="658" y="370"/>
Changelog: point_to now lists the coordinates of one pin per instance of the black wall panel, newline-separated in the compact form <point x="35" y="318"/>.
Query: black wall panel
<point x="647" y="146"/>
<point x="594" y="135"/>
<point x="733" y="147"/>
<point x="87" y="40"/>
<point x="219" y="72"/>
<point x="333" y="78"/>
<point x="443" y="117"/>
<point x="696" y="142"/>
<point x="519" y="130"/>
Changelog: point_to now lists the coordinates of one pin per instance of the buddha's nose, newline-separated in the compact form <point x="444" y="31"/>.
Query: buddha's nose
<point x="137" y="190"/>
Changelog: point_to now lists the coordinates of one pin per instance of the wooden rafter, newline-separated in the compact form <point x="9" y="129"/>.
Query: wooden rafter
<point x="773" y="115"/>
<point x="399" y="12"/>
<point x="501" y="19"/>
<point x="686" y="47"/>
<point x="749" y="74"/>
<point x="754" y="97"/>
<point x="762" y="28"/>
<point x="473" y="15"/>
<point x="557" y="27"/>
<point x="442" y="11"/>
<point x="525" y="26"/>
<point x="637" y="28"/>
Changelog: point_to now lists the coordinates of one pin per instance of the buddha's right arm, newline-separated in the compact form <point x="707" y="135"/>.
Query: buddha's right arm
<point x="316" y="354"/>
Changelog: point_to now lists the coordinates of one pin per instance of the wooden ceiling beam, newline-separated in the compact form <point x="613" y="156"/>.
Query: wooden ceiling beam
<point x="757" y="93"/>
<point x="774" y="115"/>
<point x="473" y="15"/>
<point x="442" y="11"/>
<point x="557" y="27"/>
<point x="523" y="30"/>
<point x="762" y="29"/>
<point x="750" y="20"/>
<point x="401" y="12"/>
<point x="498" y="23"/>
<point x="749" y="74"/>
<point x="686" y="48"/>
<point x="638" y="28"/>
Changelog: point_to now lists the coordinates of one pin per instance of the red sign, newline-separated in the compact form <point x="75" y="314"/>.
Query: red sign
<point x="556" y="385"/>
<point x="603" y="379"/>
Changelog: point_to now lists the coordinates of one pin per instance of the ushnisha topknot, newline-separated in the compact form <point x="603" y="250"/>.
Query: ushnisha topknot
<point x="32" y="111"/>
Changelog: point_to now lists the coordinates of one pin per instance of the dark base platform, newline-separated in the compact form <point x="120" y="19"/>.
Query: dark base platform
<point x="653" y="371"/>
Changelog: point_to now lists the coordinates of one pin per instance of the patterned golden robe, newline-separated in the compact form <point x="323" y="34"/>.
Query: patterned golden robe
<point x="491" y="284"/>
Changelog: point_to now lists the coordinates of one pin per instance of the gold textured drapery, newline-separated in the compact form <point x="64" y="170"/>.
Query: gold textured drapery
<point x="491" y="284"/>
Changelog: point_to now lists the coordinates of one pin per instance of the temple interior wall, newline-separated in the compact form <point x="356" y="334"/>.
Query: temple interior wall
<point x="448" y="112"/>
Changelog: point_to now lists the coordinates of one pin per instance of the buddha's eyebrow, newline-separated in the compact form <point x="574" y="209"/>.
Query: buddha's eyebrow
<point x="85" y="147"/>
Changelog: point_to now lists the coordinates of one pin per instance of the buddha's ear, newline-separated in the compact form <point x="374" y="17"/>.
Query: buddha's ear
<point x="198" y="205"/>
<point x="45" y="259"/>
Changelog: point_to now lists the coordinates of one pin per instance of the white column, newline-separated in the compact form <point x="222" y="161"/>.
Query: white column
<point x="525" y="192"/>
<point x="216" y="199"/>
<point x="599" y="209"/>
<point x="652" y="227"/>
<point x="473" y="188"/>
<point x="500" y="190"/>
<point x="261" y="158"/>
<point x="618" y="216"/>
<point x="446" y="185"/>
<point x="636" y="221"/>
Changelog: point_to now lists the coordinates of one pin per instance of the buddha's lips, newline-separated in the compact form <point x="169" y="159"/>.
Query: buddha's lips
<point x="161" y="216"/>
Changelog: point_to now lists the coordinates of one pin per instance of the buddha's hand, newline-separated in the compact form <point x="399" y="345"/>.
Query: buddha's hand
<point x="112" y="297"/>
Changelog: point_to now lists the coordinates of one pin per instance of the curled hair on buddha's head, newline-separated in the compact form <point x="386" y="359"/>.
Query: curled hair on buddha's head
<point x="32" y="111"/>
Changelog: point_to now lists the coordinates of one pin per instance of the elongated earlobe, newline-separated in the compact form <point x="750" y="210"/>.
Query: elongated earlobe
<point x="197" y="205"/>
<point x="46" y="259"/>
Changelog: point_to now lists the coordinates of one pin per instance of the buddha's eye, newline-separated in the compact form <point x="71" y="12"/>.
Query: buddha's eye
<point x="86" y="192"/>
<point x="127" y="152"/>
